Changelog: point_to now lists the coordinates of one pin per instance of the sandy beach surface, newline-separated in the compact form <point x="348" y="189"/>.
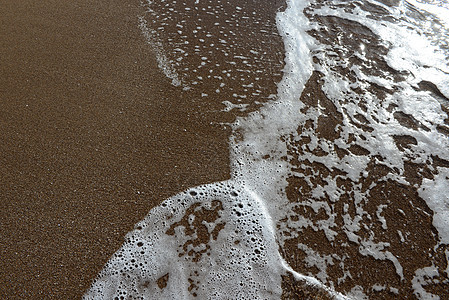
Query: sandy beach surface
<point x="92" y="136"/>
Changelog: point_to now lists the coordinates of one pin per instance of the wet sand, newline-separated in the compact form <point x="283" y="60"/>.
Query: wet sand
<point x="92" y="136"/>
<point x="402" y="206"/>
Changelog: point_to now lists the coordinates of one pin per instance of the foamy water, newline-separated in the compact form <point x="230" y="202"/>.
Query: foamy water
<point x="340" y="180"/>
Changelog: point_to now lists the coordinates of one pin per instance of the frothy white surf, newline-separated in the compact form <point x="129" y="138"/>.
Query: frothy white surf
<point x="371" y="129"/>
<point x="240" y="257"/>
<point x="413" y="53"/>
<point x="439" y="8"/>
<point x="221" y="241"/>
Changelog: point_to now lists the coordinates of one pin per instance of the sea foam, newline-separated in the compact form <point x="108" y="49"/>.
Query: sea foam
<point x="176" y="252"/>
<point x="222" y="240"/>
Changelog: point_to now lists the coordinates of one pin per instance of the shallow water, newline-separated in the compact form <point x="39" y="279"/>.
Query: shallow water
<point x="339" y="182"/>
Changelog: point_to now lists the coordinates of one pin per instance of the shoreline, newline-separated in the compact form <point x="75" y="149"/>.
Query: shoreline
<point x="93" y="135"/>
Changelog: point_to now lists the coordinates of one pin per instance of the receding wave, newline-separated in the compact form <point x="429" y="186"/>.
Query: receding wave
<point x="340" y="181"/>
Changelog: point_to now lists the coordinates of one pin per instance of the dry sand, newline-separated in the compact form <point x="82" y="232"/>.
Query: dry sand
<point x="92" y="136"/>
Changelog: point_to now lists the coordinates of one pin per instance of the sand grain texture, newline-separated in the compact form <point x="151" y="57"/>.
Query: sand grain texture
<point x="92" y="136"/>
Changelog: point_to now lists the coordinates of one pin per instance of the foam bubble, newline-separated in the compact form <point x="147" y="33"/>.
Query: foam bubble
<point x="173" y="251"/>
<point x="206" y="241"/>
<point x="209" y="240"/>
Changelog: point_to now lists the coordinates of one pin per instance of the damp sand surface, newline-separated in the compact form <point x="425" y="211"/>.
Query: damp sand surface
<point x="92" y="136"/>
<point x="336" y="169"/>
<point x="96" y="136"/>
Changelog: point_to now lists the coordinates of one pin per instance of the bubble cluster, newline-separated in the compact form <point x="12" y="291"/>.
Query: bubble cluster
<point x="211" y="239"/>
<point x="220" y="51"/>
<point x="342" y="176"/>
<point x="371" y="139"/>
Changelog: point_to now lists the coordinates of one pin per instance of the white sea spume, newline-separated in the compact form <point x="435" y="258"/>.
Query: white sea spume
<point x="413" y="50"/>
<point x="410" y="51"/>
<point x="240" y="259"/>
<point x="243" y="261"/>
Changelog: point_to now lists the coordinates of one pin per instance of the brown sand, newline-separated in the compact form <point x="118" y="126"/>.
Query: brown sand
<point x="92" y="135"/>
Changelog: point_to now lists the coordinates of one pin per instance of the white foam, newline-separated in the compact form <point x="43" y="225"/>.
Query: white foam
<point x="437" y="8"/>
<point x="245" y="253"/>
<point x="242" y="246"/>
<point x="230" y="106"/>
<point x="436" y="194"/>
<point x="408" y="51"/>
<point x="149" y="252"/>
<point x="421" y="279"/>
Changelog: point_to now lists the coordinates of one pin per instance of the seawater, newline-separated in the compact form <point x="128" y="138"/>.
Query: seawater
<point x="339" y="182"/>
